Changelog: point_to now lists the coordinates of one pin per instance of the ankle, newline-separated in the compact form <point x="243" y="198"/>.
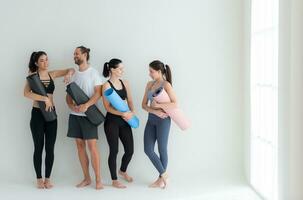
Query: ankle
<point x="164" y="175"/>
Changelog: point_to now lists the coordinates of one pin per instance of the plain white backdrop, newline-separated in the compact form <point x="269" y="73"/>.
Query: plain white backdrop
<point x="201" y="40"/>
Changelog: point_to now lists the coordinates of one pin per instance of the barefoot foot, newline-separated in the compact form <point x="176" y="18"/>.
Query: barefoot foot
<point x="40" y="183"/>
<point x="84" y="183"/>
<point x="157" y="183"/>
<point x="118" y="184"/>
<point x="48" y="184"/>
<point x="99" y="185"/>
<point x="126" y="177"/>
<point x="164" y="178"/>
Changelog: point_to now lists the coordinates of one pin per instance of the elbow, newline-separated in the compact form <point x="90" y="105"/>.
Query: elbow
<point x="130" y="104"/>
<point x="26" y="94"/>
<point x="107" y="108"/>
<point x="143" y="104"/>
<point x="98" y="94"/>
<point x="144" y="107"/>
<point x="68" y="100"/>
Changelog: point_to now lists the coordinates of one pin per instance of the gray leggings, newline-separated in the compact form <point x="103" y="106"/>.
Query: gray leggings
<point x="157" y="129"/>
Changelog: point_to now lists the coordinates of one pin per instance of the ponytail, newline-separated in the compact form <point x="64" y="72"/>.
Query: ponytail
<point x="106" y="70"/>
<point x="168" y="75"/>
<point x="32" y="64"/>
<point x="112" y="64"/>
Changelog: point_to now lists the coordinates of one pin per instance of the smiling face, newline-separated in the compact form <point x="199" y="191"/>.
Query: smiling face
<point x="42" y="62"/>
<point x="118" y="71"/>
<point x="79" y="57"/>
<point x="154" y="74"/>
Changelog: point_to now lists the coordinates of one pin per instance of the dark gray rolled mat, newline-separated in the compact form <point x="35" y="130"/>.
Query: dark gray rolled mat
<point x="93" y="114"/>
<point x="37" y="87"/>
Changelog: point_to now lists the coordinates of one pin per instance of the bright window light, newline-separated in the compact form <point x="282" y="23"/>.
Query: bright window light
<point x="264" y="97"/>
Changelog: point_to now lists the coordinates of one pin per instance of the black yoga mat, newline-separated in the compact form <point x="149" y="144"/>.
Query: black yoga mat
<point x="93" y="114"/>
<point x="37" y="87"/>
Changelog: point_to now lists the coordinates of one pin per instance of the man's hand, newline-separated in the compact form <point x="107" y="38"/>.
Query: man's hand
<point x="83" y="107"/>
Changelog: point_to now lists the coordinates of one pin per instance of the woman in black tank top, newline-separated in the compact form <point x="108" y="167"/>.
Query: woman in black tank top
<point x="115" y="125"/>
<point x="123" y="94"/>
<point x="44" y="133"/>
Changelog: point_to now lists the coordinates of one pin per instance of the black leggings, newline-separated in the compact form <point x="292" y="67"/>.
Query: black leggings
<point x="113" y="132"/>
<point x="40" y="129"/>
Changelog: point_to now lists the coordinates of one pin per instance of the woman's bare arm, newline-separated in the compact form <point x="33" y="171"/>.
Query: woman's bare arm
<point x="33" y="96"/>
<point x="62" y="72"/>
<point x="129" y="97"/>
<point x="145" y="105"/>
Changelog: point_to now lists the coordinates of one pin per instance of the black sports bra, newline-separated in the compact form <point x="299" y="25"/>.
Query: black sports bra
<point x="122" y="93"/>
<point x="49" y="85"/>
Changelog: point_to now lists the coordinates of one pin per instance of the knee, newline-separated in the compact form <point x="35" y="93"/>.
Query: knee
<point x="129" y="152"/>
<point x="113" y="152"/>
<point x="49" y="150"/>
<point x="80" y="145"/>
<point x="162" y="151"/>
<point x="92" y="147"/>
<point x="38" y="153"/>
<point x="148" y="151"/>
<point x="38" y="149"/>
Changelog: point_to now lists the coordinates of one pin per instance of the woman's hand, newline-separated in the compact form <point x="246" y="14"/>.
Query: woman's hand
<point x="127" y="115"/>
<point x="68" y="76"/>
<point x="160" y="114"/>
<point x="48" y="104"/>
<point x="154" y="104"/>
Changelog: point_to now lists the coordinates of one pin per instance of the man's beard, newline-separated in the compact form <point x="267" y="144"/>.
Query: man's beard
<point x="78" y="62"/>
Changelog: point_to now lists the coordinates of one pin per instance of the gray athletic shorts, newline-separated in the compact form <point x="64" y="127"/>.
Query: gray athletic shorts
<point x="81" y="127"/>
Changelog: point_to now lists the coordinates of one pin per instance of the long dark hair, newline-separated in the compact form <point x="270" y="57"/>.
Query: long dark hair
<point x="165" y="69"/>
<point x="86" y="50"/>
<point x="33" y="67"/>
<point x="112" y="64"/>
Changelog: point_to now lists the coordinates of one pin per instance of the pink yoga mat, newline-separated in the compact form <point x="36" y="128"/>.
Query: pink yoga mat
<point x="161" y="96"/>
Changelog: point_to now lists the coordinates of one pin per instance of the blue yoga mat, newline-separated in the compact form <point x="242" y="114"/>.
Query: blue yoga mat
<point x="120" y="105"/>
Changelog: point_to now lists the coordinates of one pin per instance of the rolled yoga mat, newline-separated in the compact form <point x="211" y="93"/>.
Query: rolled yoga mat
<point x="93" y="114"/>
<point x="37" y="87"/>
<point x="176" y="114"/>
<point x="120" y="105"/>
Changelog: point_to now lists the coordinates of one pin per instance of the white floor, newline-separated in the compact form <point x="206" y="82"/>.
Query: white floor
<point x="138" y="190"/>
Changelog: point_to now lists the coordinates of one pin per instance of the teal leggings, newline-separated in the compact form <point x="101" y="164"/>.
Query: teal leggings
<point x="157" y="129"/>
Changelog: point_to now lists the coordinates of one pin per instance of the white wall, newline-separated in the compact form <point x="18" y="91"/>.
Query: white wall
<point x="284" y="98"/>
<point x="295" y="107"/>
<point x="203" y="42"/>
<point x="246" y="84"/>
